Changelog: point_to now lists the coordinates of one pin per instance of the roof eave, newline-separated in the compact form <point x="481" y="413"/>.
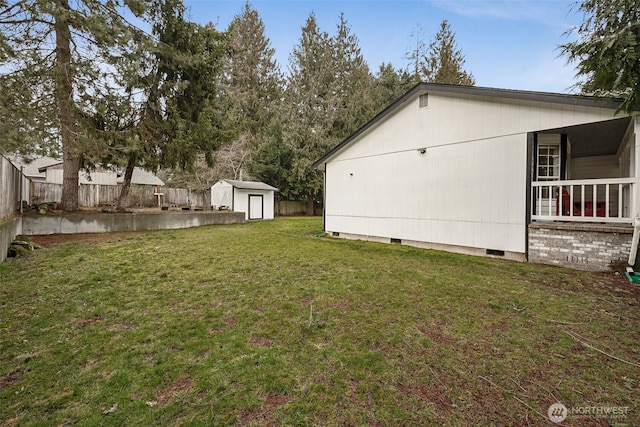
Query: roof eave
<point x="557" y="98"/>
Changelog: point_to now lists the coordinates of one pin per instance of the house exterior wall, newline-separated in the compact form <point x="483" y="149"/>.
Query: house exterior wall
<point x="54" y="176"/>
<point x="468" y="189"/>
<point x="595" y="167"/>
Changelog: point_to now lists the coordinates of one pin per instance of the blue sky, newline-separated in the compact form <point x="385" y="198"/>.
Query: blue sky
<point x="510" y="44"/>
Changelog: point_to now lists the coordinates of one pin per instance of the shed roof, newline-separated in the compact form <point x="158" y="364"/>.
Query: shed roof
<point x="420" y="88"/>
<point x="250" y="185"/>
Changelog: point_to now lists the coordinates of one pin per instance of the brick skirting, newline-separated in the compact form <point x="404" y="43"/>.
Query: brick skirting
<point x="584" y="247"/>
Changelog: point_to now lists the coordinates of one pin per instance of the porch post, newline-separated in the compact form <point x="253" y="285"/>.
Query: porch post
<point x="635" y="169"/>
<point x="635" y="165"/>
<point x="529" y="203"/>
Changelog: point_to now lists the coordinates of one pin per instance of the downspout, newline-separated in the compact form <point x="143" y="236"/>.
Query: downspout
<point x="634" y="242"/>
<point x="20" y="187"/>
<point x="635" y="170"/>
<point x="324" y="200"/>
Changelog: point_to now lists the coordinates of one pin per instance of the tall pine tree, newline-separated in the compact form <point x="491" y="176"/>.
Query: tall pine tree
<point x="444" y="62"/>
<point x="311" y="99"/>
<point x="58" y="49"/>
<point x="390" y="84"/>
<point x="172" y="113"/>
<point x="253" y="88"/>
<point x="329" y="95"/>
<point x="353" y="83"/>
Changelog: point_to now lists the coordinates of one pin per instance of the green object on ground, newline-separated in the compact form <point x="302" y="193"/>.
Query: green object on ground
<point x="633" y="276"/>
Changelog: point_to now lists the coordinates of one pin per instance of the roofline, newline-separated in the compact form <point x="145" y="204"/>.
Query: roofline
<point x="231" y="181"/>
<point x="43" y="169"/>
<point x="557" y="98"/>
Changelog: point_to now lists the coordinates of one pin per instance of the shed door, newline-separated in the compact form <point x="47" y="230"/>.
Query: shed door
<point x="256" y="206"/>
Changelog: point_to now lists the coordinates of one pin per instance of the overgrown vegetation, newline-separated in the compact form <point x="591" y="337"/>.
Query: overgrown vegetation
<point x="266" y="324"/>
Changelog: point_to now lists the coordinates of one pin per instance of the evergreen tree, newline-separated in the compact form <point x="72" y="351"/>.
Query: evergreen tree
<point x="353" y="83"/>
<point x="272" y="161"/>
<point x="312" y="101"/>
<point x="172" y="114"/>
<point x="608" y="50"/>
<point x="390" y="85"/>
<point x="329" y="94"/>
<point x="253" y="80"/>
<point x="444" y="61"/>
<point x="55" y="49"/>
<point x="253" y="89"/>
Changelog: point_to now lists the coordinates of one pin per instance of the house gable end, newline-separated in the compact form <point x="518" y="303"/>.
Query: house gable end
<point x="512" y="105"/>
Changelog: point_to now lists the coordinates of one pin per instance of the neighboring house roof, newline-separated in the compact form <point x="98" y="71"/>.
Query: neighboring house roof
<point x="36" y="169"/>
<point x="142" y="177"/>
<point x="468" y="91"/>
<point x="31" y="167"/>
<point x="249" y="185"/>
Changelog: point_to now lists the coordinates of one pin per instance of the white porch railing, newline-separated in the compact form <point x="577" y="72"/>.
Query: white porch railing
<point x="587" y="200"/>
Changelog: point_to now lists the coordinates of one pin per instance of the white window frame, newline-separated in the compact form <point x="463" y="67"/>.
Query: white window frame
<point x="552" y="161"/>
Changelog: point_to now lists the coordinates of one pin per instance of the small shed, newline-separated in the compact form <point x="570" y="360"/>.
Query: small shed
<point x="255" y="199"/>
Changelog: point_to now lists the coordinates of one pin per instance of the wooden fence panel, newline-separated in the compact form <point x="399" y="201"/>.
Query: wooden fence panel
<point x="14" y="188"/>
<point x="184" y="197"/>
<point x="42" y="192"/>
<point x="290" y="207"/>
<point x="96" y="195"/>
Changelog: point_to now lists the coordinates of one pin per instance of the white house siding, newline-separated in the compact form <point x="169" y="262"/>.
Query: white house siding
<point x="595" y="167"/>
<point x="423" y="197"/>
<point x="468" y="190"/>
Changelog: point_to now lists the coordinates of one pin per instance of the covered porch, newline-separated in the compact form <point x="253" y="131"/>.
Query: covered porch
<point x="583" y="194"/>
<point x="585" y="173"/>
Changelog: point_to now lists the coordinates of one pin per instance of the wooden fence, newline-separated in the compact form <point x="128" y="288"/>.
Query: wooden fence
<point x="13" y="183"/>
<point x="95" y="195"/>
<point x="290" y="208"/>
<point x="14" y="188"/>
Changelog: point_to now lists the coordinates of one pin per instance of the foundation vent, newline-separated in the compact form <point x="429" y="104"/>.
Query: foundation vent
<point x="495" y="252"/>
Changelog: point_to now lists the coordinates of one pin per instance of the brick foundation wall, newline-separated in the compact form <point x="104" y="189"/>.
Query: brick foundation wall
<point x="583" y="247"/>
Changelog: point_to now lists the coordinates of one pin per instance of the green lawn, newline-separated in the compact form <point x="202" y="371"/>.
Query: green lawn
<point x="266" y="324"/>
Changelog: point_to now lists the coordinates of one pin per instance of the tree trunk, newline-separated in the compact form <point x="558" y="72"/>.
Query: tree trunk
<point x="64" y="99"/>
<point x="310" y="204"/>
<point x="123" y="200"/>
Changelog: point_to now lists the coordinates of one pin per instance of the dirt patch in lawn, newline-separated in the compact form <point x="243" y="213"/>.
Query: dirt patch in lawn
<point x="10" y="378"/>
<point x="89" y="238"/>
<point x="265" y="414"/>
<point x="166" y="395"/>
<point x="261" y="341"/>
